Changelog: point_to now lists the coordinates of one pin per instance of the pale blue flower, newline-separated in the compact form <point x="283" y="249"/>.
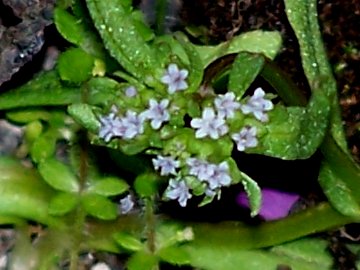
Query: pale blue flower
<point x="258" y="105"/>
<point x="157" y="112"/>
<point x="209" y="125"/>
<point x="220" y="176"/>
<point x="126" y="204"/>
<point x="246" y="138"/>
<point x="200" y="168"/>
<point x="178" y="190"/>
<point x="167" y="165"/>
<point x="134" y="125"/>
<point x="130" y="91"/>
<point x="226" y="105"/>
<point x="111" y="126"/>
<point x="175" y="78"/>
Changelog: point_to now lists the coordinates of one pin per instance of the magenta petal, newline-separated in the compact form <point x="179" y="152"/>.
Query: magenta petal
<point x="275" y="204"/>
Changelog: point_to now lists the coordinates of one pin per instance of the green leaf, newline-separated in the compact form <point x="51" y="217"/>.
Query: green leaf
<point x="108" y="186"/>
<point x="75" y="65"/>
<point x="121" y="37"/>
<point x="142" y="261"/>
<point x="128" y="241"/>
<point x="44" y="89"/>
<point x="69" y="26"/>
<point x="84" y="115"/>
<point x="99" y="206"/>
<point x="295" y="132"/>
<point x="101" y="90"/>
<point x="174" y="255"/>
<point x="28" y="115"/>
<point x="244" y="70"/>
<point x="340" y="195"/>
<point x="23" y="193"/>
<point x="44" y="146"/>
<point x="62" y="203"/>
<point x="260" y="42"/>
<point x="146" y="184"/>
<point x="253" y="193"/>
<point x="58" y="175"/>
<point x="303" y="17"/>
<point x="303" y="256"/>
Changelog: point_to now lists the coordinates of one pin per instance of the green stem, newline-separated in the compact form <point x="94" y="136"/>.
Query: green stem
<point x="150" y="225"/>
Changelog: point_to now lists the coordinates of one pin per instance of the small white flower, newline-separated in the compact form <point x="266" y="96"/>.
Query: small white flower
<point x="175" y="78"/>
<point x="157" y="112"/>
<point x="131" y="91"/>
<point x="258" y="105"/>
<point x="167" y="165"/>
<point x="111" y="126"/>
<point x="246" y="138"/>
<point x="200" y="168"/>
<point x="226" y="105"/>
<point x="126" y="204"/>
<point x="209" y="125"/>
<point x="178" y="190"/>
<point x="220" y="177"/>
<point x="100" y="266"/>
<point x="133" y="125"/>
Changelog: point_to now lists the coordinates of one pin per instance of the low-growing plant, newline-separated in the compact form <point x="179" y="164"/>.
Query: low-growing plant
<point x="169" y="115"/>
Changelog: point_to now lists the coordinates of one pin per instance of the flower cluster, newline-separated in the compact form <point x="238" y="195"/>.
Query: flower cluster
<point x="214" y="176"/>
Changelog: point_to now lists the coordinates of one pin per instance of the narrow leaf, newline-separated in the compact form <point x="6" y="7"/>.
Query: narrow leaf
<point x="128" y="241"/>
<point x="253" y="192"/>
<point x="108" y="186"/>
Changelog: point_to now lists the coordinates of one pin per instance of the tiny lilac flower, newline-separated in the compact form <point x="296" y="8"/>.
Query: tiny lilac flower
<point x="126" y="204"/>
<point x="220" y="176"/>
<point x="200" y="168"/>
<point x="209" y="125"/>
<point x="111" y="126"/>
<point x="258" y="105"/>
<point x="178" y="190"/>
<point x="131" y="91"/>
<point x="167" y="165"/>
<point x="157" y="112"/>
<point x="246" y="138"/>
<point x="275" y="204"/>
<point x="175" y="78"/>
<point x="134" y="125"/>
<point x="225" y="105"/>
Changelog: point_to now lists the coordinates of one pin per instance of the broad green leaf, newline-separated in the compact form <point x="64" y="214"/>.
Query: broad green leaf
<point x="44" y="146"/>
<point x="75" y="65"/>
<point x="121" y="37"/>
<point x="62" y="203"/>
<point x="295" y="132"/>
<point x="302" y="255"/>
<point x="99" y="206"/>
<point x="44" y="89"/>
<point x="253" y="193"/>
<point x="303" y="18"/>
<point x="128" y="241"/>
<point x="146" y="184"/>
<point x="174" y="255"/>
<point x="142" y="261"/>
<point x="23" y="193"/>
<point x="261" y="42"/>
<point x="108" y="186"/>
<point x="84" y="115"/>
<point x="58" y="175"/>
<point x="244" y="70"/>
<point x="340" y="195"/>
<point x="69" y="26"/>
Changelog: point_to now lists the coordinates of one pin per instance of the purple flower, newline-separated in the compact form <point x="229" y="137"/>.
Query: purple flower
<point x="157" y="112"/>
<point x="258" y="105"/>
<point x="111" y="126"/>
<point x="131" y="91"/>
<point x="275" y="204"/>
<point x="200" y="168"/>
<point x="133" y="125"/>
<point x="246" y="138"/>
<point x="178" y="190"/>
<point x="175" y="78"/>
<point x="225" y="105"/>
<point x="126" y="204"/>
<point x="220" y="176"/>
<point x="210" y="125"/>
<point x="167" y="165"/>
